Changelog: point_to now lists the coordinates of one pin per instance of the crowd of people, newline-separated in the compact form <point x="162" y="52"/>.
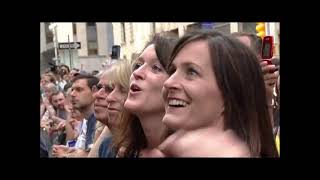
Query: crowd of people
<point x="206" y="94"/>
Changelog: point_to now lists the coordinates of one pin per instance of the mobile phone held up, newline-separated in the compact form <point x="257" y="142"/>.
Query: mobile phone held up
<point x="267" y="50"/>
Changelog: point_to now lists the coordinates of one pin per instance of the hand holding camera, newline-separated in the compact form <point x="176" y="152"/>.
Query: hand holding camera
<point x="267" y="54"/>
<point x="269" y="70"/>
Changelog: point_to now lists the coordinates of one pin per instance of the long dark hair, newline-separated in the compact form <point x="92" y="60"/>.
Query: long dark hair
<point x="240" y="79"/>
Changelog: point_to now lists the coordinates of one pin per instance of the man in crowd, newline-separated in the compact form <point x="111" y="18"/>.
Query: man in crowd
<point x="82" y="99"/>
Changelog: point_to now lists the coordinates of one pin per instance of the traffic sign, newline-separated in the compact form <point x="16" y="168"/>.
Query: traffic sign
<point x="74" y="45"/>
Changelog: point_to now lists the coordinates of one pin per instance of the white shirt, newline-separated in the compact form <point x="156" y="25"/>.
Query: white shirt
<point x="81" y="140"/>
<point x="61" y="84"/>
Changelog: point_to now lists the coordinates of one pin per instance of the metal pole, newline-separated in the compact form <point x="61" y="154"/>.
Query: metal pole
<point x="56" y="44"/>
<point x="69" y="52"/>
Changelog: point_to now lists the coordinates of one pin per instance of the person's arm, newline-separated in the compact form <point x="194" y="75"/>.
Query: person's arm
<point x="51" y="110"/>
<point x="45" y="125"/>
<point x="270" y="80"/>
<point x="46" y="102"/>
<point x="95" y="148"/>
<point x="57" y="120"/>
<point x="203" y="142"/>
<point x="46" y="122"/>
<point x="77" y="153"/>
<point x="61" y="150"/>
<point x="45" y="116"/>
<point x="42" y="110"/>
<point x="65" y="152"/>
<point x="59" y="124"/>
<point x="49" y="107"/>
<point x="71" y="131"/>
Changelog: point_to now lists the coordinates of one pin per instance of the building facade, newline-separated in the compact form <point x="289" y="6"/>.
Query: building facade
<point x="46" y="47"/>
<point x="132" y="37"/>
<point x="95" y="40"/>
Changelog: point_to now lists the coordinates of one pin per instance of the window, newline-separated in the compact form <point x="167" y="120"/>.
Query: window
<point x="91" y="24"/>
<point x="92" y="51"/>
<point x="92" y="39"/>
<point x="249" y="27"/>
<point x="123" y="33"/>
<point x="92" y="45"/>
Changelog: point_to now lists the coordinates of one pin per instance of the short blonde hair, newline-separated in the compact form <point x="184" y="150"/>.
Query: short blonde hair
<point x="120" y="73"/>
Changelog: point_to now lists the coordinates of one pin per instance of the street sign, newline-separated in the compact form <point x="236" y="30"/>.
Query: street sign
<point x="75" y="45"/>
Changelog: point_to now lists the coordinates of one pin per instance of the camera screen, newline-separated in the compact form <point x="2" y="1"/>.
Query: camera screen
<point x="266" y="50"/>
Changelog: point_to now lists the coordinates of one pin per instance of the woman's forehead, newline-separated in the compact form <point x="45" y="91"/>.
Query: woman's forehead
<point x="149" y="54"/>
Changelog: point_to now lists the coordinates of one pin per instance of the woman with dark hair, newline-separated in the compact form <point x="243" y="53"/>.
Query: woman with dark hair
<point x="215" y="100"/>
<point x="141" y="128"/>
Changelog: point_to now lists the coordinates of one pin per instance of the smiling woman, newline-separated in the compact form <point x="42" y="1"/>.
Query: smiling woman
<point x="215" y="100"/>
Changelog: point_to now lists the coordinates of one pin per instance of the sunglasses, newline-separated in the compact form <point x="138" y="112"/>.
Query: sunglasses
<point x="107" y="88"/>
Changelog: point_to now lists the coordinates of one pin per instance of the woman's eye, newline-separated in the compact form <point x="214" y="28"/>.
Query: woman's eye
<point x="99" y="86"/>
<point x="109" y="88"/>
<point x="192" y="72"/>
<point x="136" y="65"/>
<point x="157" y="68"/>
